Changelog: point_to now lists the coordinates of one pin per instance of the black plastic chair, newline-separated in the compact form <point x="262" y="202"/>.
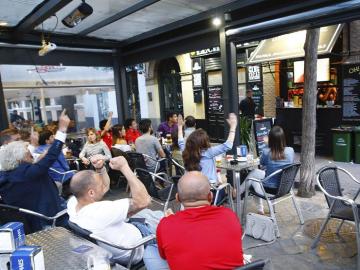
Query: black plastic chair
<point x="284" y="191"/>
<point x="10" y="213"/>
<point x="340" y="207"/>
<point x="256" y="265"/>
<point x="160" y="195"/>
<point x="96" y="240"/>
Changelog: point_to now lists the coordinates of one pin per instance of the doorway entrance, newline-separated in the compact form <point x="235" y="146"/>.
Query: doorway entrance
<point x="170" y="92"/>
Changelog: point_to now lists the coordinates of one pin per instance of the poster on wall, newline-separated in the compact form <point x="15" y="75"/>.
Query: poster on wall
<point x="216" y="104"/>
<point x="258" y="97"/>
<point x="253" y="73"/>
<point x="197" y="71"/>
<point x="351" y="93"/>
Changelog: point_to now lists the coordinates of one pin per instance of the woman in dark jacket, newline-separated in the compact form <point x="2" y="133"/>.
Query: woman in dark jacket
<point x="28" y="185"/>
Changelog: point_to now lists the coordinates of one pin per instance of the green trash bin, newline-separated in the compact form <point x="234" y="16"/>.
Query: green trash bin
<point x="342" y="144"/>
<point x="357" y="144"/>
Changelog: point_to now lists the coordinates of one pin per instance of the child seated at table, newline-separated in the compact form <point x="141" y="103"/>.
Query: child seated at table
<point x="93" y="146"/>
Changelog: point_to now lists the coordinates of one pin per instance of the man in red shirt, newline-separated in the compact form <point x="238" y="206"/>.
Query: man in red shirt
<point x="132" y="132"/>
<point x="202" y="236"/>
<point x="105" y="130"/>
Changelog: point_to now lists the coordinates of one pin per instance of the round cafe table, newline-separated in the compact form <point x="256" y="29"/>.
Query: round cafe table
<point x="236" y="169"/>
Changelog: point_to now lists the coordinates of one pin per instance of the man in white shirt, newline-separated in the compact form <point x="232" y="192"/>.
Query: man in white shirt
<point x="107" y="219"/>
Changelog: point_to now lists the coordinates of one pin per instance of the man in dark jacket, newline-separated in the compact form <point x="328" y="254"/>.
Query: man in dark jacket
<point x="247" y="105"/>
<point x="28" y="185"/>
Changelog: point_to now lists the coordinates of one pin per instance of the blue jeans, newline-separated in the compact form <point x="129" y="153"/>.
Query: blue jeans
<point x="151" y="257"/>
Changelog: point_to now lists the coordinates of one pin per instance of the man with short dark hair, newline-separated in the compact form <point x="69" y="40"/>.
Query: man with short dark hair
<point x="190" y="125"/>
<point x="108" y="219"/>
<point x="201" y="236"/>
<point x="169" y="125"/>
<point x="247" y="105"/>
<point x="148" y="144"/>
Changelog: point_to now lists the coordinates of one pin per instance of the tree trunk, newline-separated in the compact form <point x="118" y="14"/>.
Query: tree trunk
<point x="307" y="157"/>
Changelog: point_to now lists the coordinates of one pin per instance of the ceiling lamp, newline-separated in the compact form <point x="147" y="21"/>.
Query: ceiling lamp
<point x="216" y="21"/>
<point x="77" y="15"/>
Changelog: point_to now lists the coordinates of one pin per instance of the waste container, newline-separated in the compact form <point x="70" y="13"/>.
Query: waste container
<point x="357" y="144"/>
<point x="342" y="144"/>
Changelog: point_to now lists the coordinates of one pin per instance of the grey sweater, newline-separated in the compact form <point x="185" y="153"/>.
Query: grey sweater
<point x="91" y="149"/>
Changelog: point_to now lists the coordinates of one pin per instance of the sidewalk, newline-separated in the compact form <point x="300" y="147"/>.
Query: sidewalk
<point x="292" y="249"/>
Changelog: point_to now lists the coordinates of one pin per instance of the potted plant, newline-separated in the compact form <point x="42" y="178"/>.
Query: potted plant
<point x="245" y="130"/>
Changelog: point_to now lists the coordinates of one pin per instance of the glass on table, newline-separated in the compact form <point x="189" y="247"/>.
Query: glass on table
<point x="218" y="159"/>
<point x="98" y="262"/>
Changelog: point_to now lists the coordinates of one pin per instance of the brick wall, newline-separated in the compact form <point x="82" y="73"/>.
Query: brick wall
<point x="269" y="90"/>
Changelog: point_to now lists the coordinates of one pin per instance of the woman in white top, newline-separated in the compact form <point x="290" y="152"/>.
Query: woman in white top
<point x="119" y="142"/>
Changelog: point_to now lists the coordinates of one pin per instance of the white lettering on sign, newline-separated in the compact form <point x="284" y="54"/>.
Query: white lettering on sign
<point x="21" y="264"/>
<point x="254" y="73"/>
<point x="354" y="69"/>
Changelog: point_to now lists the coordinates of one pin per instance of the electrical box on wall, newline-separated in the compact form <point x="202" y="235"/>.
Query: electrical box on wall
<point x="198" y="96"/>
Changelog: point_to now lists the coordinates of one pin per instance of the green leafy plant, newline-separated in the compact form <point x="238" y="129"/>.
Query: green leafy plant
<point x="245" y="129"/>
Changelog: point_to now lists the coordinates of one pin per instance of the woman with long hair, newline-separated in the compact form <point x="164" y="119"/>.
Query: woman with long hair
<point x="119" y="142"/>
<point x="276" y="156"/>
<point x="93" y="146"/>
<point x="198" y="155"/>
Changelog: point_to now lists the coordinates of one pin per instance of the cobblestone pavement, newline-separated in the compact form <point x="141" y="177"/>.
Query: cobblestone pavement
<point x="292" y="250"/>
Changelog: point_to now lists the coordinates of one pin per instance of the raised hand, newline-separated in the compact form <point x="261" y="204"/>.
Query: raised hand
<point x="118" y="163"/>
<point x="232" y="121"/>
<point x="64" y="121"/>
<point x="180" y="120"/>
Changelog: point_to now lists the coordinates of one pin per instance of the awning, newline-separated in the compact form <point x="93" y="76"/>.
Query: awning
<point x="292" y="45"/>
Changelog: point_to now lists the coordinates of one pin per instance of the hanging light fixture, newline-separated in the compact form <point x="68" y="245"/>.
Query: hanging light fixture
<point x="78" y="15"/>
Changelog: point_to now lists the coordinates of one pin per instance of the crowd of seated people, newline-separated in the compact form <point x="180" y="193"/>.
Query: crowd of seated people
<point x="26" y="180"/>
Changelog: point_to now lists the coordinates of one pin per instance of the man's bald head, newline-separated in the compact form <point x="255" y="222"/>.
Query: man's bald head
<point x="193" y="187"/>
<point x="81" y="182"/>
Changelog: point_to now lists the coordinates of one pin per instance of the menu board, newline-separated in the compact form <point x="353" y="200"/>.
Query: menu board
<point x="216" y="104"/>
<point x="261" y="130"/>
<point x="351" y="93"/>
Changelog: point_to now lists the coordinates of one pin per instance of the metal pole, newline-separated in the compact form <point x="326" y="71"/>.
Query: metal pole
<point x="120" y="87"/>
<point x="229" y="79"/>
<point x="4" y="121"/>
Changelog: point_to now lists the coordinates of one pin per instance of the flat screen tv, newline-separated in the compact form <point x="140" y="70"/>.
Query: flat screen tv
<point x="323" y="70"/>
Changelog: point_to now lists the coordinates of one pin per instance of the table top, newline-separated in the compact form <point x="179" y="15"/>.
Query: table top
<point x="241" y="165"/>
<point x="63" y="249"/>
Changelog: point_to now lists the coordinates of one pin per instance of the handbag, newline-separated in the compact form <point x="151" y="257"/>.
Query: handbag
<point x="260" y="227"/>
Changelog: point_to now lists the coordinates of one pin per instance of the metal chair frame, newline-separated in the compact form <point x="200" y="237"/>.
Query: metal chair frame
<point x="345" y="202"/>
<point x="273" y="200"/>
<point x="96" y="239"/>
<point x="255" y="265"/>
<point x="162" y="177"/>
<point x="33" y="213"/>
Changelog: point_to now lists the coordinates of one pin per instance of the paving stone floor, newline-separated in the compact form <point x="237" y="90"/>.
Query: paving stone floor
<point x="292" y="250"/>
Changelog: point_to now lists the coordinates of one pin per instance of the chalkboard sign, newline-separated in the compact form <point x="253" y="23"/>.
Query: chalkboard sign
<point x="215" y="99"/>
<point x="261" y="130"/>
<point x="351" y="93"/>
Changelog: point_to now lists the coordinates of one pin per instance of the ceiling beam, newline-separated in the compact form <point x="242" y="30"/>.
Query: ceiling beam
<point x="34" y="37"/>
<point x="122" y="14"/>
<point x="40" y="14"/>
<point x="193" y="19"/>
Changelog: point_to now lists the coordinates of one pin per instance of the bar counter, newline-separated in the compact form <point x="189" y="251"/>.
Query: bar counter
<point x="290" y="119"/>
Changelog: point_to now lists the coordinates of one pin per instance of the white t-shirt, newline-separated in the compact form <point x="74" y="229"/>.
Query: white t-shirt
<point x="106" y="219"/>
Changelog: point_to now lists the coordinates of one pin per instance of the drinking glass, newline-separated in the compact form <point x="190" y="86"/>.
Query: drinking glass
<point x="98" y="262"/>
<point x="218" y="160"/>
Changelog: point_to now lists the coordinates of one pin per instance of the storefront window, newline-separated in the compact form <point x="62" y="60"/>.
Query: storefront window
<point x="40" y="93"/>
